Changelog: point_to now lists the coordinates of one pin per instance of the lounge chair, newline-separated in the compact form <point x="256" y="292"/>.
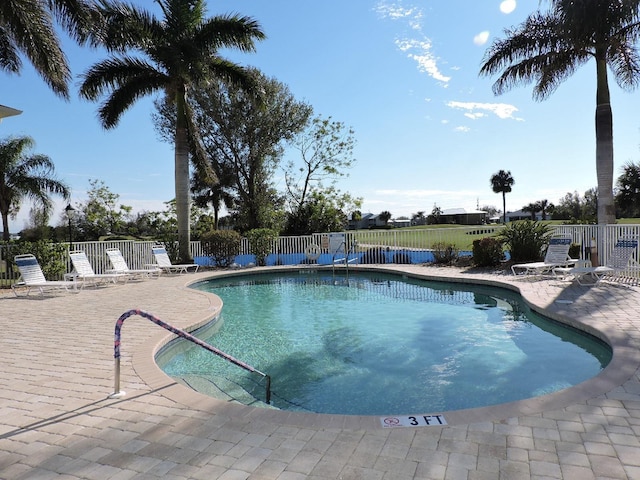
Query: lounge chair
<point x="32" y="277"/>
<point x="620" y="260"/>
<point x="120" y="266"/>
<point x="164" y="262"/>
<point x="82" y="270"/>
<point x="557" y="256"/>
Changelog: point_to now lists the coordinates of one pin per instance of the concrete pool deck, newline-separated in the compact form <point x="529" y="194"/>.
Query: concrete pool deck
<point x="56" y="420"/>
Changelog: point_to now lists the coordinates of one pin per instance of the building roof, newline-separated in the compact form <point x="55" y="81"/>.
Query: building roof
<point x="461" y="211"/>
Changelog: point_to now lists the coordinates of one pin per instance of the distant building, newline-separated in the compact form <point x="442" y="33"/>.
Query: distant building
<point x="520" y="215"/>
<point x="368" y="220"/>
<point x="462" y="216"/>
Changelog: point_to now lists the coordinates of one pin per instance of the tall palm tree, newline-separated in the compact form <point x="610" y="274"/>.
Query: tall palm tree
<point x="177" y="53"/>
<point x="502" y="182"/>
<point x="27" y="28"/>
<point x="23" y="175"/>
<point x="548" y="47"/>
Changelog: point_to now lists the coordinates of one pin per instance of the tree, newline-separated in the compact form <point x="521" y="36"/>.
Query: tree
<point x="548" y="47"/>
<point x="419" y="218"/>
<point x="628" y="191"/>
<point x="180" y="52"/>
<point x="545" y="207"/>
<point x="532" y="208"/>
<point x="502" y="182"/>
<point x="326" y="149"/>
<point x="323" y="211"/>
<point x="385" y="216"/>
<point x="27" y="28"/>
<point x="101" y="214"/>
<point x="574" y="208"/>
<point x="245" y="141"/>
<point x="25" y="176"/>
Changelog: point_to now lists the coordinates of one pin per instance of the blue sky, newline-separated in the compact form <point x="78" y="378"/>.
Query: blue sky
<point x="403" y="74"/>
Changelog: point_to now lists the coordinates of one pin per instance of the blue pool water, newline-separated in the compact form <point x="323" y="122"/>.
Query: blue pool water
<point x="381" y="344"/>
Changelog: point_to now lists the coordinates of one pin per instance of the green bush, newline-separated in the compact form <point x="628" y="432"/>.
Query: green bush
<point x="525" y="239"/>
<point x="221" y="246"/>
<point x="261" y="242"/>
<point x="50" y="256"/>
<point x="444" y="253"/>
<point x="487" y="252"/>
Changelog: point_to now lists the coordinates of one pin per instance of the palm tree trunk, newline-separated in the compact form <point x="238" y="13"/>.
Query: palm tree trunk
<point x="504" y="208"/>
<point x="183" y="198"/>
<point x="604" y="146"/>
<point x="5" y="227"/>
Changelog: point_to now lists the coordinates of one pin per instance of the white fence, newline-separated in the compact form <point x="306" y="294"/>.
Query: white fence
<point x="389" y="246"/>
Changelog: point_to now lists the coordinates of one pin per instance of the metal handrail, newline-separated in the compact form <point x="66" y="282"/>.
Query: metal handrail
<point x="182" y="334"/>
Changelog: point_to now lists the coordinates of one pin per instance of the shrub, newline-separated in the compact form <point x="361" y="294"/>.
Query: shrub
<point x="525" y="239"/>
<point x="221" y="246"/>
<point x="444" y="253"/>
<point x="50" y="256"/>
<point x="374" y="255"/>
<point x="487" y="252"/>
<point x="260" y="243"/>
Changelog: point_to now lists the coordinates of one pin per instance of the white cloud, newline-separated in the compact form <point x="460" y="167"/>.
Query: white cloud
<point x="462" y="129"/>
<point x="397" y="12"/>
<point x="475" y="115"/>
<point x="501" y="110"/>
<point x="418" y="48"/>
<point x="481" y="38"/>
<point x="420" y="51"/>
<point x="508" y="6"/>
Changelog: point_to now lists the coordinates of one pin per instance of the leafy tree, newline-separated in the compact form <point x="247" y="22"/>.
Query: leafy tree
<point x="245" y="143"/>
<point x="502" y="182"/>
<point x="418" y="218"/>
<point x="326" y="149"/>
<point x="385" y="216"/>
<point x="27" y="29"/>
<point x="577" y="209"/>
<point x="323" y="211"/>
<point x="25" y="176"/>
<point x="628" y="191"/>
<point x="549" y="46"/>
<point x="490" y="209"/>
<point x="179" y="53"/>
<point x="101" y="214"/>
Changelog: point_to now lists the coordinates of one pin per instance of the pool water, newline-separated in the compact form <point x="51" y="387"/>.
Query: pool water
<point x="381" y="344"/>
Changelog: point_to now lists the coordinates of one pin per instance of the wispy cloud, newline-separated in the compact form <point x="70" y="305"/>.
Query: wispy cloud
<point x="418" y="47"/>
<point x="475" y="110"/>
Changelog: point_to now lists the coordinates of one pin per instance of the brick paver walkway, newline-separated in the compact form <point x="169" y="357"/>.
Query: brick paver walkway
<point x="57" y="422"/>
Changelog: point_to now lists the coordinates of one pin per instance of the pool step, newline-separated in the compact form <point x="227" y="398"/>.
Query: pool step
<point x="222" y="389"/>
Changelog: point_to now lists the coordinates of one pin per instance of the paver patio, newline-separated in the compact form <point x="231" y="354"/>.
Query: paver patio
<point x="57" y="422"/>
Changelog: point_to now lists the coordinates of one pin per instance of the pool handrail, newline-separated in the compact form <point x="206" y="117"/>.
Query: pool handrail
<point x="117" y="393"/>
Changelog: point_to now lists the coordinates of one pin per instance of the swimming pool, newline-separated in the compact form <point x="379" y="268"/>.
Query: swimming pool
<point x="380" y="344"/>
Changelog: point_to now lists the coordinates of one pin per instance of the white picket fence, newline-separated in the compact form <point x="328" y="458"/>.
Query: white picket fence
<point x="397" y="246"/>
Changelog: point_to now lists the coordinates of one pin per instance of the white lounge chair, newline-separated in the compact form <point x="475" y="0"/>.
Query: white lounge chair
<point x="32" y="277"/>
<point x="164" y="262"/>
<point x="557" y="256"/>
<point x="82" y="270"/>
<point x="620" y="260"/>
<point x="120" y="266"/>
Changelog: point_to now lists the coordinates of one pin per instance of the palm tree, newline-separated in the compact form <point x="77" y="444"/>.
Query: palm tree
<point x="502" y="182"/>
<point x="27" y="28"/>
<point x="178" y="53"/>
<point x="548" y="47"/>
<point x="23" y="176"/>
